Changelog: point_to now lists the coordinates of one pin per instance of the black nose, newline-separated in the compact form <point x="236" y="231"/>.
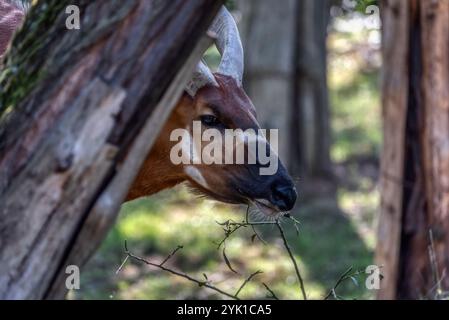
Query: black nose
<point x="284" y="196"/>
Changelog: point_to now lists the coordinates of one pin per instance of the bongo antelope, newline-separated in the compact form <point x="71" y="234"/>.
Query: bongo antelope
<point x="218" y="101"/>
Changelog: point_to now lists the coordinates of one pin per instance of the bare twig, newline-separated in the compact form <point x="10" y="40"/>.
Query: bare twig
<point x="345" y="276"/>
<point x="273" y="295"/>
<point x="200" y="283"/>
<point x="296" y="223"/>
<point x="122" y="265"/>
<point x="171" y="255"/>
<point x="292" y="258"/>
<point x="254" y="228"/>
<point x="247" y="280"/>
<point x="230" y="227"/>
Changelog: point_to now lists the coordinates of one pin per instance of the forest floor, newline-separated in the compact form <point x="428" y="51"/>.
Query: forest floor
<point x="336" y="232"/>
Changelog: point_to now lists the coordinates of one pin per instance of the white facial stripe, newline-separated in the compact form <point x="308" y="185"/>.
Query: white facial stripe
<point x="196" y="176"/>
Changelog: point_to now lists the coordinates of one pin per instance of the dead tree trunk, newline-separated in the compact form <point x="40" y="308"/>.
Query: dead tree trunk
<point x="79" y="110"/>
<point x="413" y="239"/>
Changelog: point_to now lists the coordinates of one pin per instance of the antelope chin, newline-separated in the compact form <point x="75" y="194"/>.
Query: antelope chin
<point x="266" y="208"/>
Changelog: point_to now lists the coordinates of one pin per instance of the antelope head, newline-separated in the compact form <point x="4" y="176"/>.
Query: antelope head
<point x="217" y="101"/>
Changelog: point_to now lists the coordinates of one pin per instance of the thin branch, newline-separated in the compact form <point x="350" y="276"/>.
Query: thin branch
<point x="122" y="265"/>
<point x="296" y="223"/>
<point x="292" y="258"/>
<point x="273" y="295"/>
<point x="254" y="228"/>
<point x="171" y="254"/>
<point x="179" y="274"/>
<point x="230" y="227"/>
<point x="345" y="276"/>
<point x="247" y="281"/>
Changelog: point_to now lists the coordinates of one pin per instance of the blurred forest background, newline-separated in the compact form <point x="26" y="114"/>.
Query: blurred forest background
<point x="312" y="70"/>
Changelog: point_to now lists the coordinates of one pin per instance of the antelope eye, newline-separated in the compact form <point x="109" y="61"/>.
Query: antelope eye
<point x="210" y="120"/>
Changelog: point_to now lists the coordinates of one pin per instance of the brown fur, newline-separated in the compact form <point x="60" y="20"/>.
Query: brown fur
<point x="234" y="110"/>
<point x="240" y="184"/>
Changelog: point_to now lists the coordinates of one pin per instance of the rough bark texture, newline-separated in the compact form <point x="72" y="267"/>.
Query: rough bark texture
<point x="415" y="163"/>
<point x="395" y="88"/>
<point x="286" y="77"/>
<point x="76" y="110"/>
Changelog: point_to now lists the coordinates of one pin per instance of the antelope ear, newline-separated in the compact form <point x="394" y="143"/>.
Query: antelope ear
<point x="201" y="76"/>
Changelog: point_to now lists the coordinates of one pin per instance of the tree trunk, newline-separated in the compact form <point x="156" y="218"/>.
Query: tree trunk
<point x="311" y="119"/>
<point x="268" y="32"/>
<point x="79" y="111"/>
<point x="413" y="239"/>
<point x="286" y="77"/>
